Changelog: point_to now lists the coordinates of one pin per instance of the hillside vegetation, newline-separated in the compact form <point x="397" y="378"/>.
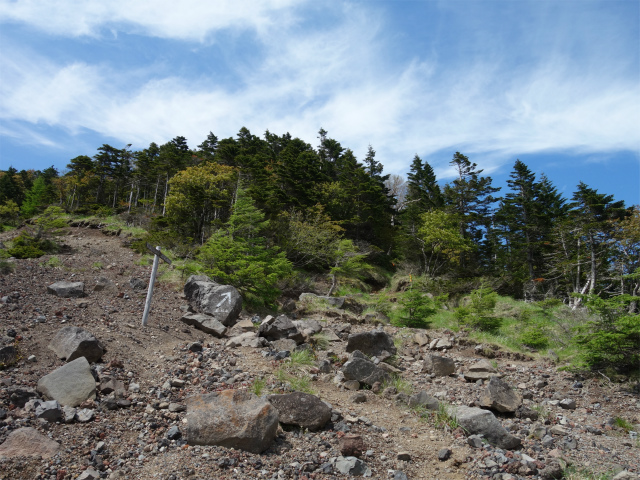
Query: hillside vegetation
<point x="275" y="217"/>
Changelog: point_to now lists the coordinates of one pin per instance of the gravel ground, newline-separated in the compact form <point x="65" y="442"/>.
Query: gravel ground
<point x="132" y="442"/>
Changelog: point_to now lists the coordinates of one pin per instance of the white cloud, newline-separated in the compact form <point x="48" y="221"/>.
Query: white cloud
<point x="192" y="20"/>
<point x="341" y="78"/>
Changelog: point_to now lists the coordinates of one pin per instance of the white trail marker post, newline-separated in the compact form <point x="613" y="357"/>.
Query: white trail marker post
<point x="157" y="255"/>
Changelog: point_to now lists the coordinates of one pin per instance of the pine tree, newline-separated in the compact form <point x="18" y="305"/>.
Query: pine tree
<point x="240" y="255"/>
<point x="470" y="197"/>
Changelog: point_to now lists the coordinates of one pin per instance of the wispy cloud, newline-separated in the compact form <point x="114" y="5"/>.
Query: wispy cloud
<point x="342" y="76"/>
<point x="185" y="20"/>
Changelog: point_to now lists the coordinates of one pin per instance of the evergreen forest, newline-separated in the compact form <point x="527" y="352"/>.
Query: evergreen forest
<point x="276" y="216"/>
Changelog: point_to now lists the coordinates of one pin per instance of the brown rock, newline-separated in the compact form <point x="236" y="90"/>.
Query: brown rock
<point x="28" y="442"/>
<point x="352" y="446"/>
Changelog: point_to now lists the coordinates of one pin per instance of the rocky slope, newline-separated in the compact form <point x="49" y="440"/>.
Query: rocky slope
<point x="135" y="427"/>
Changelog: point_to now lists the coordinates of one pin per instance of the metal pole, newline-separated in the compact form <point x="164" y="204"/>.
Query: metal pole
<point x="147" y="305"/>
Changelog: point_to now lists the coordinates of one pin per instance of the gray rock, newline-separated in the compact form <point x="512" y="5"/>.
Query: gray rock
<point x="481" y="370"/>
<point x="421" y="339"/>
<point x="364" y="371"/>
<point x="243" y="326"/>
<point x="499" y="396"/>
<point x="28" y="442"/>
<point x="206" y="323"/>
<point x="50" y="411"/>
<point x="301" y="409"/>
<point x="284" y="344"/>
<point x="74" y="342"/>
<point x="103" y="283"/>
<point x="248" y="339"/>
<point x="625" y="475"/>
<point x="423" y="399"/>
<point x="351" y="466"/>
<point x="568" y="404"/>
<point x="232" y="419"/>
<point x="352" y="385"/>
<point x="112" y="385"/>
<point x="439" y="366"/>
<point x="223" y="302"/>
<point x="85" y="415"/>
<point x="70" y="384"/>
<point x="67" y="289"/>
<point x="174" y="433"/>
<point x="399" y="475"/>
<point x="69" y="414"/>
<point x="444" y="454"/>
<point x="371" y="343"/>
<point x="138" y="284"/>
<point x="483" y="422"/>
<point x="552" y="470"/>
<point x="89" y="474"/>
<point x="8" y="353"/>
<point x="310" y="326"/>
<point x="475" y="441"/>
<point x="440" y="344"/>
<point x="19" y="395"/>
<point x="404" y="456"/>
<point x="336" y="302"/>
<point x="279" y="328"/>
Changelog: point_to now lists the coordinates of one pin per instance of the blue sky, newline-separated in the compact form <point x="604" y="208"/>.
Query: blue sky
<point x="553" y="83"/>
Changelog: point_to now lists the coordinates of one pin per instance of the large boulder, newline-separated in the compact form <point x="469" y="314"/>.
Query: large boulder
<point x="499" y="396"/>
<point x="70" y="384"/>
<point x="233" y="419"/>
<point x="301" y="409"/>
<point x="67" y="289"/>
<point x="481" y="370"/>
<point x="477" y="421"/>
<point x="28" y="442"/>
<point x="206" y="323"/>
<point x="279" y="328"/>
<point x="74" y="342"/>
<point x="223" y="302"/>
<point x="364" y="371"/>
<point x="371" y="343"/>
<point x="439" y="366"/>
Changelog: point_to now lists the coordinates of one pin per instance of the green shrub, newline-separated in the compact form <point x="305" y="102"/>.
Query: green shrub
<point x="479" y="314"/>
<point x="613" y="340"/>
<point x="534" y="337"/>
<point x="25" y="251"/>
<point x="417" y="307"/>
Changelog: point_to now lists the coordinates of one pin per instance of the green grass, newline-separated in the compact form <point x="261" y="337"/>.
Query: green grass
<point x="574" y="473"/>
<point x="53" y="262"/>
<point x="623" y="424"/>
<point x="97" y="265"/>
<point x="320" y="341"/>
<point x="258" y="386"/>
<point x="400" y="384"/>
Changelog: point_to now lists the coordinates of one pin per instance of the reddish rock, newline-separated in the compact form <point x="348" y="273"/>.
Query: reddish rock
<point x="352" y="446"/>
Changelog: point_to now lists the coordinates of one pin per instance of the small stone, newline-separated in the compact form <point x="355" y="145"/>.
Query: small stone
<point x="568" y="404"/>
<point x="352" y="446"/>
<point x="475" y="441"/>
<point x="174" y="433"/>
<point x="359" y="397"/>
<point x="352" y="385"/>
<point x="444" y="454"/>
<point x="404" y="456"/>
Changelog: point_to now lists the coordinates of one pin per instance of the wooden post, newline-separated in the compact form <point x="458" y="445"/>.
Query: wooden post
<point x="147" y="305"/>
